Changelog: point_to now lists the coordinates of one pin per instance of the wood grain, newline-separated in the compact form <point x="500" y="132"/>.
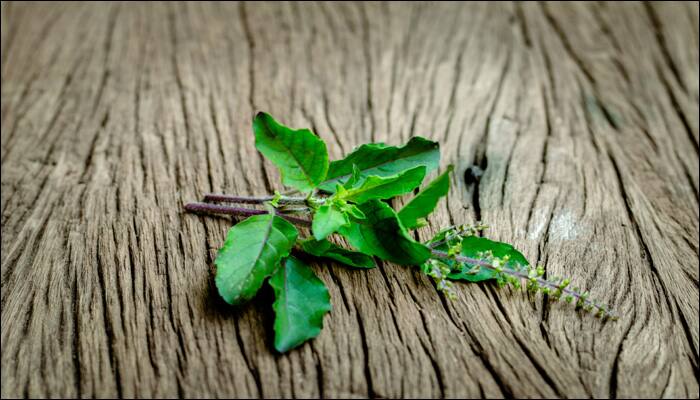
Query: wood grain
<point x="584" y="117"/>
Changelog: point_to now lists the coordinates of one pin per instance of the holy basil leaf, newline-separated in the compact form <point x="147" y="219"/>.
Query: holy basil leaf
<point x="378" y="159"/>
<point x="424" y="203"/>
<point x="381" y="234"/>
<point x="375" y="187"/>
<point x="475" y="247"/>
<point x="300" y="155"/>
<point x="354" y="178"/>
<point x="301" y="301"/>
<point x="353" y="211"/>
<point x="326" y="249"/>
<point x="252" y="251"/>
<point x="327" y="220"/>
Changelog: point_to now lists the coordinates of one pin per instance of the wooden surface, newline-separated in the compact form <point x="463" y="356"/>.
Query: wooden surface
<point x="584" y="117"/>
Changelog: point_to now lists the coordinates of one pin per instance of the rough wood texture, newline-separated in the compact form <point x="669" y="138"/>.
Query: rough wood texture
<point x="584" y="116"/>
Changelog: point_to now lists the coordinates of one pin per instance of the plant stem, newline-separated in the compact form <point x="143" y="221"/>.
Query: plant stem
<point x="227" y="198"/>
<point x="436" y="244"/>
<point x="294" y="210"/>
<point x="520" y="275"/>
<point x="459" y="232"/>
<point x="217" y="209"/>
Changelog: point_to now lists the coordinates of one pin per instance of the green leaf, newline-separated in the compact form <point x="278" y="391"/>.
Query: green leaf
<point x="421" y="222"/>
<point x="354" y="178"/>
<point x="354" y="212"/>
<point x="326" y="249"/>
<point x="424" y="203"/>
<point x="300" y="155"/>
<point x="327" y="220"/>
<point x="301" y="301"/>
<point x="474" y="247"/>
<point x="375" y="187"/>
<point x="252" y="251"/>
<point x="378" y="159"/>
<point x="381" y="234"/>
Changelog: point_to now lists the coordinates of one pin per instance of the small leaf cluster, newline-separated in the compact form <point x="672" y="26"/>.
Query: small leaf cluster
<point x="351" y="198"/>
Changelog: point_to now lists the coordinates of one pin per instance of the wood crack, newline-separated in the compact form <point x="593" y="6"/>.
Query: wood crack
<point x="114" y="117"/>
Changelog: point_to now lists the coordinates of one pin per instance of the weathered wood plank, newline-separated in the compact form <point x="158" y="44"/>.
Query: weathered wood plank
<point x="584" y="117"/>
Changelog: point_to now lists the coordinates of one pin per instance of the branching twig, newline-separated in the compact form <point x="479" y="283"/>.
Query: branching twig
<point x="581" y="298"/>
<point x="217" y="209"/>
<point x="227" y="198"/>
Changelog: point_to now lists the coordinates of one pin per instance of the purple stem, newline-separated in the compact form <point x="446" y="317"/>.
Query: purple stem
<point x="227" y="198"/>
<point x="217" y="209"/>
<point x="522" y="275"/>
